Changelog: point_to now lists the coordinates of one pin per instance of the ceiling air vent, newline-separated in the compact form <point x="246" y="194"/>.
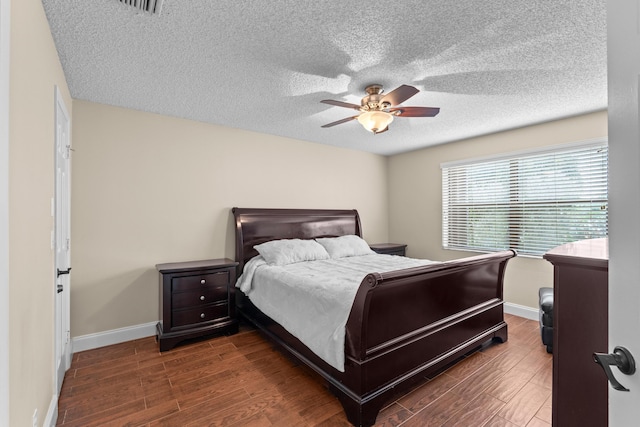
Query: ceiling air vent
<point x="148" y="6"/>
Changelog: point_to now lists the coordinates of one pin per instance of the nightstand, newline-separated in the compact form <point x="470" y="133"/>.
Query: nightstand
<point x="196" y="299"/>
<point x="389" y="248"/>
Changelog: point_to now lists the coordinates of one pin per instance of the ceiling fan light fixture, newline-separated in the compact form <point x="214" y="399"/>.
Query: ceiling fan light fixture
<point x="375" y="121"/>
<point x="377" y="111"/>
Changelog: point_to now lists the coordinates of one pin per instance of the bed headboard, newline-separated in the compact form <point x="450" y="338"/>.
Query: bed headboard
<point x="255" y="226"/>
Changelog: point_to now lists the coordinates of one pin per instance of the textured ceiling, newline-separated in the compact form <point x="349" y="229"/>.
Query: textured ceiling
<point x="265" y="65"/>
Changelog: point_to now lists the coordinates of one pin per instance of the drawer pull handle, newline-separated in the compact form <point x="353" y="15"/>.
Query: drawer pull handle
<point x="201" y="297"/>
<point x="202" y="282"/>
<point x="202" y="316"/>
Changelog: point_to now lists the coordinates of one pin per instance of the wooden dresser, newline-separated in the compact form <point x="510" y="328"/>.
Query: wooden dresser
<point x="196" y="299"/>
<point x="580" y="328"/>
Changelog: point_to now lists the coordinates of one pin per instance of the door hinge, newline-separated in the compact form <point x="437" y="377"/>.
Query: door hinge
<point x="68" y="244"/>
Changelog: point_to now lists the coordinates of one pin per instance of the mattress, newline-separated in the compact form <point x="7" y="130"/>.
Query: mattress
<point x="312" y="299"/>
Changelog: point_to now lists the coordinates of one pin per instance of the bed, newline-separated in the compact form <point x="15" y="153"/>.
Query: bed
<point x="404" y="326"/>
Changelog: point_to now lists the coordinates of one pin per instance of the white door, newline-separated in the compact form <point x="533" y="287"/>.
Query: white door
<point x="624" y="196"/>
<point x="62" y="240"/>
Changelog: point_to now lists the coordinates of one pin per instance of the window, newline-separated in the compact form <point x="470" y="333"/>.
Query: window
<point x="530" y="202"/>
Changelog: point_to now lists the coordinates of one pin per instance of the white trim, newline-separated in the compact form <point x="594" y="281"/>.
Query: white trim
<point x="144" y="330"/>
<point x="522" y="311"/>
<point x="52" y="414"/>
<point x="523" y="153"/>
<point x="5" y="15"/>
<point x="114" y="336"/>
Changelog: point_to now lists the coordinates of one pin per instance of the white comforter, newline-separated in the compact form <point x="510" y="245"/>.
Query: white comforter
<point x="312" y="299"/>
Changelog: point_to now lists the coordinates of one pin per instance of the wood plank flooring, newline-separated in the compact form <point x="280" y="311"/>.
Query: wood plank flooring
<point x="242" y="380"/>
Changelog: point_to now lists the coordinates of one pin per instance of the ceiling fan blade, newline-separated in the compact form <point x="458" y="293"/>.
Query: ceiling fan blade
<point x="340" y="104"/>
<point x="400" y="94"/>
<point x="415" y="111"/>
<point x="348" y="119"/>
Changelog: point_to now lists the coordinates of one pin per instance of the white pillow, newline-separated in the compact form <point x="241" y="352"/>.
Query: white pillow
<point x="289" y="251"/>
<point x="344" y="246"/>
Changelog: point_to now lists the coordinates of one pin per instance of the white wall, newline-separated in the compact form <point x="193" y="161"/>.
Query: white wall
<point x="415" y="195"/>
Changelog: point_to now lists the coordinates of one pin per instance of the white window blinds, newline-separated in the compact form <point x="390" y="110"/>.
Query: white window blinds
<point x="529" y="202"/>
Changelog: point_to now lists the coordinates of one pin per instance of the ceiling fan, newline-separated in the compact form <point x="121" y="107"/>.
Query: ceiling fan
<point x="377" y="110"/>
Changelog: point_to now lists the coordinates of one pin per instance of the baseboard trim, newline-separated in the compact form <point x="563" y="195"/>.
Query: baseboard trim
<point x="52" y="414"/>
<point x="114" y="336"/>
<point x="522" y="311"/>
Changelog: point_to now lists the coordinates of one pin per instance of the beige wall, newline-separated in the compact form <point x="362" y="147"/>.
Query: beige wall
<point x="415" y="201"/>
<point x="35" y="70"/>
<point x="150" y="189"/>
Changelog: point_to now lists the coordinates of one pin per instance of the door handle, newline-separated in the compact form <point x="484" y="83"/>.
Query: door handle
<point x="622" y="358"/>
<point x="61" y="272"/>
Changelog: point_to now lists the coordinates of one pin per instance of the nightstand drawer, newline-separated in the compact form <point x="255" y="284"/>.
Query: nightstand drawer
<point x="186" y="283"/>
<point x="205" y="295"/>
<point x="200" y="314"/>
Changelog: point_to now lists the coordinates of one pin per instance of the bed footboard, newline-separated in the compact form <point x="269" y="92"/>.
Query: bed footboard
<point x="411" y="324"/>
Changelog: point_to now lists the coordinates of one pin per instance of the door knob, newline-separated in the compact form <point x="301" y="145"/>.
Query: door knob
<point x="622" y="358"/>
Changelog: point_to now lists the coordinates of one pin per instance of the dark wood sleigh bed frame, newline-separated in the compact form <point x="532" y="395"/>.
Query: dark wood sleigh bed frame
<point x="404" y="326"/>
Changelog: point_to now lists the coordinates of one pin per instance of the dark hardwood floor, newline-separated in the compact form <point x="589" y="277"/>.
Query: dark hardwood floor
<point x="241" y="380"/>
